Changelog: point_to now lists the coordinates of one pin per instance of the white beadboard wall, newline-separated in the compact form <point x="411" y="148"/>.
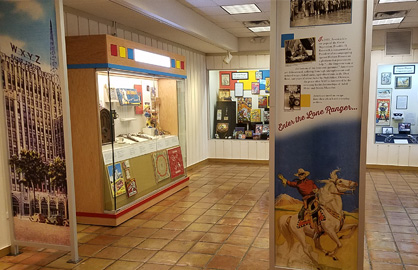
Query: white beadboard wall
<point x="239" y="149"/>
<point x="78" y="23"/>
<point x="387" y="154"/>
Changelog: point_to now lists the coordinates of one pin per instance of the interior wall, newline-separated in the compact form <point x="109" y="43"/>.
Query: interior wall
<point x="387" y="154"/>
<point x="78" y="23"/>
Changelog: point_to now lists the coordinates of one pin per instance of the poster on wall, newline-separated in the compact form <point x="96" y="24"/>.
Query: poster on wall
<point x="318" y="88"/>
<point x="117" y="181"/>
<point x="383" y="112"/>
<point x="38" y="182"/>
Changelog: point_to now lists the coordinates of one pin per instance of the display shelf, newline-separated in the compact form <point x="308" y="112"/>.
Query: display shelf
<point x="127" y="119"/>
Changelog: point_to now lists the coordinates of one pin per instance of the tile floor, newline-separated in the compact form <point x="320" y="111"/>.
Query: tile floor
<point x="221" y="222"/>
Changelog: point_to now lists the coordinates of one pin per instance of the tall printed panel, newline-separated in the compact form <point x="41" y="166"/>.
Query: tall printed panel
<point x="318" y="93"/>
<point x="32" y="94"/>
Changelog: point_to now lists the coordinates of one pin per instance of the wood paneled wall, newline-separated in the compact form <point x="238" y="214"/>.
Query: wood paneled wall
<point x="78" y="23"/>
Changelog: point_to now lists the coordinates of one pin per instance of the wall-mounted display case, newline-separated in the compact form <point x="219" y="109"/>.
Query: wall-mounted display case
<point x="128" y="127"/>
<point x="239" y="104"/>
<point x="396" y="99"/>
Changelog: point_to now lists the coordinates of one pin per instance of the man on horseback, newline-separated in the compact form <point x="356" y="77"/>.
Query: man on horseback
<point x="307" y="189"/>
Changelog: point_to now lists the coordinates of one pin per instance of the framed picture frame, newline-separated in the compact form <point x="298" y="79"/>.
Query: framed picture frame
<point x="239" y="75"/>
<point x="258" y="75"/>
<point x="387" y="130"/>
<point x="386" y="78"/>
<point x="402" y="102"/>
<point x="255" y="88"/>
<point x="239" y="89"/>
<point x="403" y="82"/>
<point x="225" y="79"/>
<point x="404" y="69"/>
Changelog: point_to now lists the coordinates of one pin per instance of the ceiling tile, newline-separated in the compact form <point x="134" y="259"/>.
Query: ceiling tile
<point x="409" y="25"/>
<point x="238" y="30"/>
<point x="395" y="6"/>
<point x="232" y="2"/>
<point x="230" y="24"/>
<point x="409" y="19"/>
<point x="413" y="12"/>
<point x="211" y="10"/>
<point x="252" y="17"/>
<point x="201" y="3"/>
<point x="264" y="7"/>
<point x="223" y="18"/>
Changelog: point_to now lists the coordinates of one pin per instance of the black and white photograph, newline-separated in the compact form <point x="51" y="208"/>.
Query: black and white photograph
<point x="300" y="50"/>
<point x="319" y="12"/>
<point x="225" y="79"/>
<point x="292" y="95"/>
<point x="386" y="78"/>
<point x="387" y="130"/>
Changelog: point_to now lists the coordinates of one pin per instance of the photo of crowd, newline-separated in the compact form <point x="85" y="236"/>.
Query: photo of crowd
<point x="319" y="12"/>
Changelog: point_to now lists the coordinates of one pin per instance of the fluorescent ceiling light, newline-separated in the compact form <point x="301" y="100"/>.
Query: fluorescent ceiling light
<point x="241" y="9"/>
<point x="388" y="21"/>
<point x="395" y="1"/>
<point x="152" y="58"/>
<point x="260" y="29"/>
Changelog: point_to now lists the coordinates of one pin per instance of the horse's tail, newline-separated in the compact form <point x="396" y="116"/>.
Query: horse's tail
<point x="284" y="229"/>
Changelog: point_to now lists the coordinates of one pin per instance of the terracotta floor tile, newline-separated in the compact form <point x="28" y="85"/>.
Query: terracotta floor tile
<point x="133" y="222"/>
<point x="143" y="232"/>
<point x="385" y="256"/>
<point x="4" y="265"/>
<point x="155" y="244"/>
<point x="190" y="236"/>
<point x="199" y="227"/>
<point x="166" y="257"/>
<point x="94" y="264"/>
<point x="179" y="246"/>
<point x="205" y="248"/>
<point x="219" y="206"/>
<point x="208" y="219"/>
<point x="103" y="240"/>
<point x="258" y="223"/>
<point x="177" y="225"/>
<point x="261" y="242"/>
<point x="138" y="255"/>
<point x="187" y="218"/>
<point x="409" y="258"/>
<point x="232" y="250"/>
<point x="224" y="262"/>
<point x="229" y="221"/>
<point x="177" y="267"/>
<point x="154" y="224"/>
<point x="194" y="259"/>
<point x="165" y="216"/>
<point x="246" y="231"/>
<point x="404" y="229"/>
<point x="128" y="241"/>
<point x="214" y="237"/>
<point x="124" y="265"/>
<point x="253" y="264"/>
<point x="151" y="266"/>
<point x="240" y="240"/>
<point x="166" y="234"/>
<point x="386" y="266"/>
<point x="112" y="252"/>
<point x="119" y="231"/>
<point x="24" y="267"/>
<point x="87" y="250"/>
<point x="85" y="237"/>
<point x="411" y="267"/>
<point x="257" y="254"/>
<point x="227" y="229"/>
<point x="408" y="247"/>
<point x="62" y="263"/>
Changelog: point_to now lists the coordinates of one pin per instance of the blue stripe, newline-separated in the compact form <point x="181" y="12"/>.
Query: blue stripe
<point x="80" y="66"/>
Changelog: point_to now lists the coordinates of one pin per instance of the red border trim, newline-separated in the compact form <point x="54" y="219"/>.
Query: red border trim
<point x="129" y="209"/>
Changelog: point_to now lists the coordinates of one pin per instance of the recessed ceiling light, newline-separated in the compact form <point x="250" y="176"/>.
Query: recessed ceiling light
<point x="260" y="29"/>
<point x="388" y="21"/>
<point x="241" y="9"/>
<point x="395" y="1"/>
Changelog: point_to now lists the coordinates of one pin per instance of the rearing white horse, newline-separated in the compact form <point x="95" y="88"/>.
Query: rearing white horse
<point x="330" y="203"/>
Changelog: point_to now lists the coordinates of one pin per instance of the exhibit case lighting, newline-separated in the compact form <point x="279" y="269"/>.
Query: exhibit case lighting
<point x="152" y="58"/>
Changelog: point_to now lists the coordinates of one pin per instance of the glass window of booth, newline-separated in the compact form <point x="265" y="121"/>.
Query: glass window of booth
<point x="142" y="128"/>
<point x="239" y="104"/>
<point x="396" y="100"/>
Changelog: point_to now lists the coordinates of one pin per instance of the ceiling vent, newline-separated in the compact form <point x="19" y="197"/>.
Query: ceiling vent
<point x="390" y="14"/>
<point x="257" y="23"/>
<point x="398" y="43"/>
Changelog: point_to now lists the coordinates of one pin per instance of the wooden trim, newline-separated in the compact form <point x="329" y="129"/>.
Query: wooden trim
<point x="5" y="251"/>
<point x="240" y="161"/>
<point x="391" y="167"/>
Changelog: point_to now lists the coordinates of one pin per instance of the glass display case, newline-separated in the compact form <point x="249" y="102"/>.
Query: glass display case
<point x="142" y="147"/>
<point x="239" y="104"/>
<point x="396" y="97"/>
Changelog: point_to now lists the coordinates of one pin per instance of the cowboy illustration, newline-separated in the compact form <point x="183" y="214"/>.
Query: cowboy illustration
<point x="307" y="189"/>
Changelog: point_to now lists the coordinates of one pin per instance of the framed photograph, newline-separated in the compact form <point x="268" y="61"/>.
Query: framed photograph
<point x="292" y="97"/>
<point x="224" y="94"/>
<point x="386" y="78"/>
<point x="300" y="50"/>
<point x="225" y="79"/>
<point x="404" y="69"/>
<point x="255" y="88"/>
<point x="387" y="130"/>
<point x="248" y="133"/>
<point x="240" y="75"/>
<point x="239" y="89"/>
<point x="384" y="93"/>
<point x="262" y="101"/>
<point x="402" y="102"/>
<point x="219" y="114"/>
<point x="403" y="82"/>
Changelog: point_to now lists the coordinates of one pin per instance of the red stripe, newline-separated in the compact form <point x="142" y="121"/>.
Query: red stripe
<point x="129" y="209"/>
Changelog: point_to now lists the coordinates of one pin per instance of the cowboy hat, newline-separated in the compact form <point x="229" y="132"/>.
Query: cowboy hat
<point x="302" y="172"/>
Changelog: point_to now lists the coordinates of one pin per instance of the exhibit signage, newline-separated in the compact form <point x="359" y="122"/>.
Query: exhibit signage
<point x="33" y="93"/>
<point x="318" y="101"/>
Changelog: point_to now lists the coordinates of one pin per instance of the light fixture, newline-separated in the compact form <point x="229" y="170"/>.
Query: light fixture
<point x="395" y="1"/>
<point x="241" y="9"/>
<point x="228" y="57"/>
<point x="260" y="29"/>
<point x="388" y="21"/>
<point x="152" y="58"/>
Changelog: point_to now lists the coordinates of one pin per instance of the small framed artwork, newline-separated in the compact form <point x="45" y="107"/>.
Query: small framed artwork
<point x="225" y="79"/>
<point x="255" y="88"/>
<point x="258" y="75"/>
<point x="224" y="94"/>
<point x="239" y="89"/>
<point x="386" y="78"/>
<point x="219" y="114"/>
<point x="402" y="102"/>
<point x="248" y="133"/>
<point x="404" y="69"/>
<point x="403" y="82"/>
<point x="387" y="130"/>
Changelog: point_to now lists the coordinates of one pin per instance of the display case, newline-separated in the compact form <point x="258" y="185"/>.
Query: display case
<point x="395" y="113"/>
<point x="239" y="103"/>
<point x="128" y="127"/>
